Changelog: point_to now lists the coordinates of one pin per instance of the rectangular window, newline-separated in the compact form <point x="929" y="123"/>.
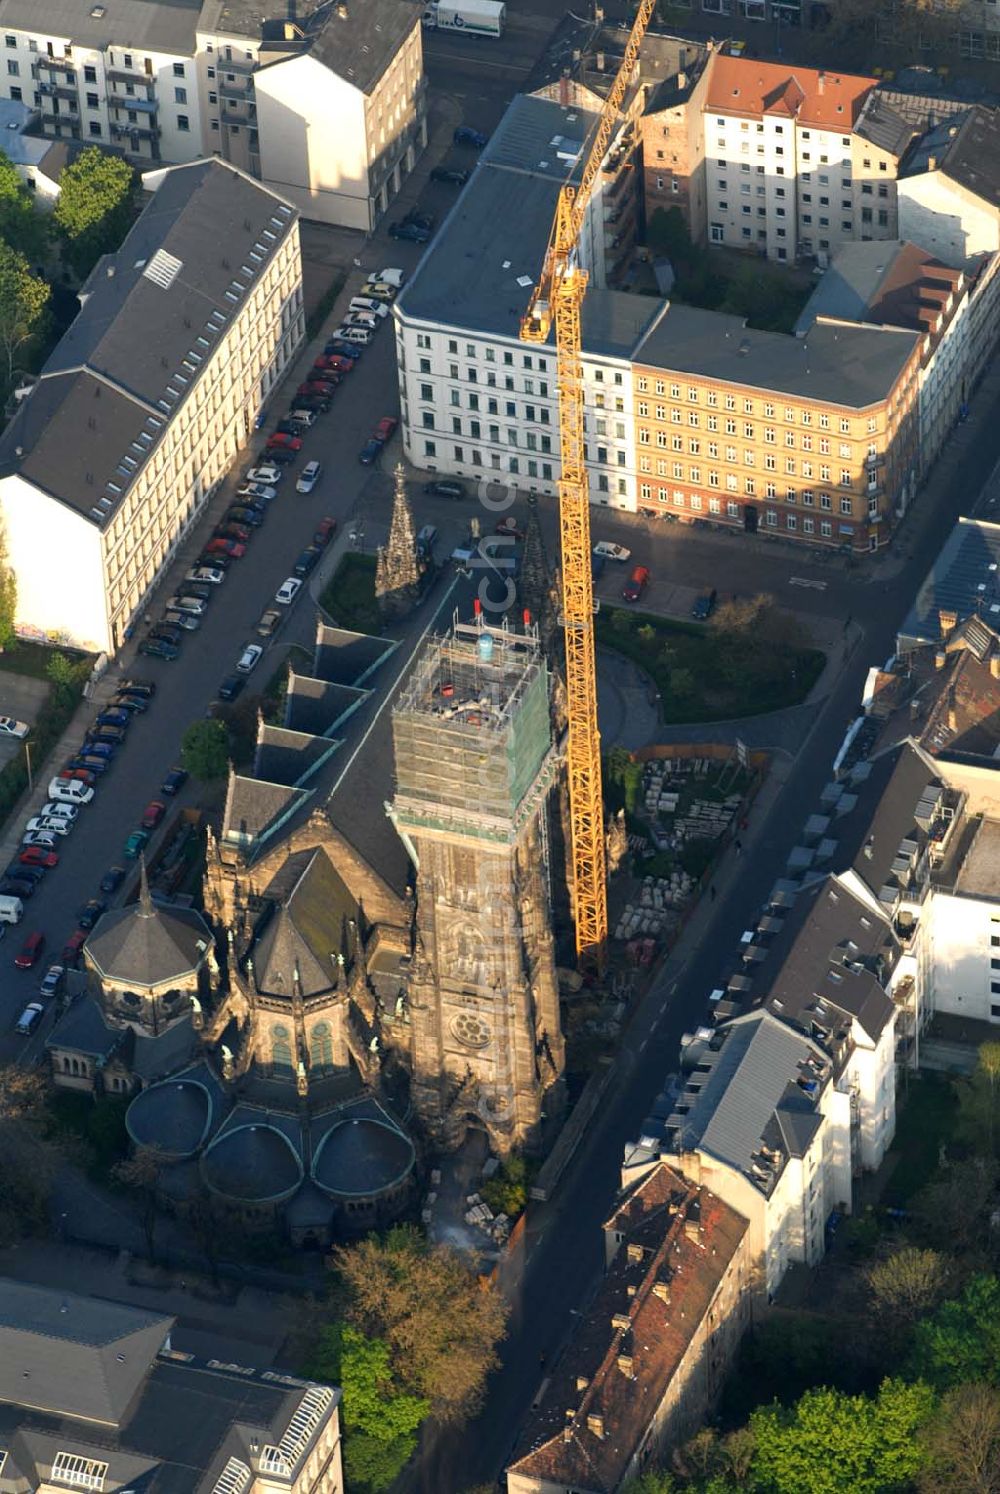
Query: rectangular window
<point x="183" y="123"/>
<point x="178" y="69"/>
<point x="13" y="70"/>
<point x="180" y="96"/>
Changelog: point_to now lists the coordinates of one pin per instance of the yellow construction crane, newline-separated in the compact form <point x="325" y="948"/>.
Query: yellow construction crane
<point x="558" y="298"/>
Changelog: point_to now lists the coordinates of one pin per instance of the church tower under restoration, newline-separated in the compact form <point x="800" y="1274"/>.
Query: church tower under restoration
<point x="474" y="764"/>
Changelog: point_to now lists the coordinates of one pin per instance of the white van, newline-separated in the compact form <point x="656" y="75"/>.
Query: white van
<point x="361" y="335"/>
<point x="11" y="910"/>
<point x="70" y="790"/>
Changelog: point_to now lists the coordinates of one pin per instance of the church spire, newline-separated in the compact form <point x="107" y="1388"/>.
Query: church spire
<point x="146" y="909"/>
<point x="397" y="567"/>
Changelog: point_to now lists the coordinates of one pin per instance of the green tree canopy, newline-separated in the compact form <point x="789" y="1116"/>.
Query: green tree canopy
<point x="205" y="750"/>
<point x="94" y="207"/>
<point x="21" y="225"/>
<point x="441" y="1322"/>
<point x="960" y="1342"/>
<point x="24" y="298"/>
<point x="829" y="1442"/>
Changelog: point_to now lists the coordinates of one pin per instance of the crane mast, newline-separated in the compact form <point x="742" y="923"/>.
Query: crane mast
<point x="557" y="300"/>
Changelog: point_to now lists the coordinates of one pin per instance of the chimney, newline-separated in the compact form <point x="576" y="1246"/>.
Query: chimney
<point x="581" y="1384"/>
<point x="995" y="666"/>
<point x="661" y="1289"/>
<point x="682" y="81"/>
<point x="595" y="1424"/>
<point x="626" y="1366"/>
<point x="940" y="659"/>
<point x="635" y="1255"/>
<point x="932" y="163"/>
<point x="600" y="62"/>
<point x="947" y="619"/>
<point x="620" y="1321"/>
<point x="821" y="82"/>
<point x="692" y="1229"/>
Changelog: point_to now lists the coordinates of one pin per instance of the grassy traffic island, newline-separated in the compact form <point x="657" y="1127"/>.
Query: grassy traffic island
<point x="749" y="659"/>
<point x="349" y="596"/>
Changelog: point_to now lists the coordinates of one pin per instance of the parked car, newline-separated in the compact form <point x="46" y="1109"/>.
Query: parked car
<point x="95" y="748"/>
<point x="270" y="622"/>
<point x="87" y="779"/>
<point x="318" y="403"/>
<point x="510" y="527"/>
<point x="47" y="824"/>
<point x="391" y="275"/>
<point x="197" y="605"/>
<point x="106" y="736"/>
<point x="31" y="951"/>
<point x="17" y="887"/>
<point x="337" y="347"/>
<point x="60" y="810"/>
<point x="112" y="717"/>
<point x="449" y="177"/>
<point x="222" y="561"/>
<point x="369" y="306"/>
<point x="412" y="233"/>
<point x="420" y="220"/>
<point x="444" y="488"/>
<point x="210" y="575"/>
<point x="282" y="455"/>
<point x="339" y="363"/>
<point x="611" y="551"/>
<point x="385" y="429"/>
<point x="362" y="319"/>
<point x="263" y="491"/>
<point x="240" y="514"/>
<point x="136" y="843"/>
<point x="360" y="335"/>
<point x="37" y="856"/>
<point x="219" y="545"/>
<point x="96" y="766"/>
<point x="282" y="440"/>
<point x="186" y="621"/>
<point x="135" y="704"/>
<point x="266" y="473"/>
<point x="174" y="781"/>
<point x="231" y="686"/>
<point x="30" y="1017"/>
<point x="379" y="292"/>
<point x="636" y="584"/>
<point x="306" y="561"/>
<point x="302" y="418"/>
<point x="73" y="947"/>
<point x="139" y="687"/>
<point x="249" y="658"/>
<point x="288" y="591"/>
<point x="308" y="477"/>
<point x="112" y="879"/>
<point x="153" y="814"/>
<point x="369" y="452"/>
<point x="27" y="873"/>
<point x="11" y="728"/>
<point x="324" y="532"/>
<point x="465" y="135"/>
<point x="91" y="912"/>
<point x="51" y="981"/>
<point x="290" y="427"/>
<point x="704" y="606"/>
<point x="230" y="531"/>
<point x="159" y="648"/>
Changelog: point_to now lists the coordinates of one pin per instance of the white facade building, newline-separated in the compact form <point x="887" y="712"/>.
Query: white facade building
<point x="146" y="401"/>
<point x="949" y="193"/>
<point x="476" y="401"/>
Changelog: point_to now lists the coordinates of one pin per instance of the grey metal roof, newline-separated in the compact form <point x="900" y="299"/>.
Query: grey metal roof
<point x="290" y="757"/>
<point x="963" y="579"/>
<point x="255" y="810"/>
<point x="82" y="1029"/>
<point x="852" y="367"/>
<point x="360" y="1156"/>
<point x="759" y="1058"/>
<point x="255" y="1158"/>
<point x="78" y="1356"/>
<point x="883" y="125"/>
<point x="306" y="933"/>
<point x="847" y="288"/>
<point x="159" y="25"/>
<point x="886" y="813"/>
<point x="175" y="1115"/>
<point x="106" y="395"/>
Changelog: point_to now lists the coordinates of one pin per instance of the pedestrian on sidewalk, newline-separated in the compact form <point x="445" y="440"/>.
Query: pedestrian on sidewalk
<point x="738" y="846"/>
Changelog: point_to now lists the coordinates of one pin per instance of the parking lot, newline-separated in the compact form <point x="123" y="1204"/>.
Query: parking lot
<point x="22" y="697"/>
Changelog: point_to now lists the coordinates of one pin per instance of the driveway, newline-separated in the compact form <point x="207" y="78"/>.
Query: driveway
<point x="21" y="696"/>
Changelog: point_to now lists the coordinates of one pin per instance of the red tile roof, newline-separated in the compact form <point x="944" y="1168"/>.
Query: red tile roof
<point x="687" y="1238"/>
<point x="826" y="100"/>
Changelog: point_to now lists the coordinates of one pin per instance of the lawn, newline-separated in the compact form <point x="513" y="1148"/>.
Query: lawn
<point x="707" y="674"/>
<point x="925" y="1118"/>
<point x="350" y="596"/>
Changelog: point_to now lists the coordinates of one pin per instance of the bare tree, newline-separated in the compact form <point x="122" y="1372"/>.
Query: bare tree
<point x="908" y="1283"/>
<point x="963" y="1443"/>
<point x="140" y="1173"/>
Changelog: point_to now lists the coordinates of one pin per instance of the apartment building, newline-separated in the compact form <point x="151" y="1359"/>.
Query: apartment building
<point x="949" y="191"/>
<point x="780" y="160"/>
<point x="144" y="404"/>
<point x="812" y="438"/>
<point x="173" y="83"/>
<point x="95" y="1398"/>
<point x="647" y="1360"/>
<point x="955" y="311"/>
<point x="477" y="402"/>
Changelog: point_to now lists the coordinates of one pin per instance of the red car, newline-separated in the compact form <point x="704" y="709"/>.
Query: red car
<point x="219" y="546"/>
<point x="383" y="431"/>
<point x="38" y="856"/>
<point x="74" y="944"/>
<point x="325" y="530"/>
<point x="510" y="526"/>
<point x="282" y="439"/>
<point x="30" y="952"/>
<point x="231" y="531"/>
<point x="84" y="775"/>
<point x="318" y="389"/>
<point x="335" y="363"/>
<point x="153" y="814"/>
<point x="636" y="584"/>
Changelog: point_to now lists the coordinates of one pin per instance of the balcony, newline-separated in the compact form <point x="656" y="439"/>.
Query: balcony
<point x="141" y="131"/>
<point x="129" y="75"/>
<point x="243" y="65"/>
<point x="56" y="64"/>
<point x="57" y="91"/>
<point x="145" y="107"/>
<point x="236" y="90"/>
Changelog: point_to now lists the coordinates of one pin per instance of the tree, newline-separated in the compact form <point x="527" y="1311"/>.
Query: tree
<point x="8" y="599"/>
<point x="829" y="1442"/>
<point x="23" y="299"/>
<point x="380" y="1419"/>
<point x="909" y="25"/>
<point x="28" y="1160"/>
<point x="442" y="1322"/>
<point x="668" y="237"/>
<point x="21" y="226"/>
<point x="141" y="1174"/>
<point x="953" y="1210"/>
<point x="94" y="207"/>
<point x="962" y="1443"/>
<point x="205" y="750"/>
<point x="960" y="1342"/>
<point x="908" y="1284"/>
<point x="979" y="1098"/>
<point x="653" y="1481"/>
